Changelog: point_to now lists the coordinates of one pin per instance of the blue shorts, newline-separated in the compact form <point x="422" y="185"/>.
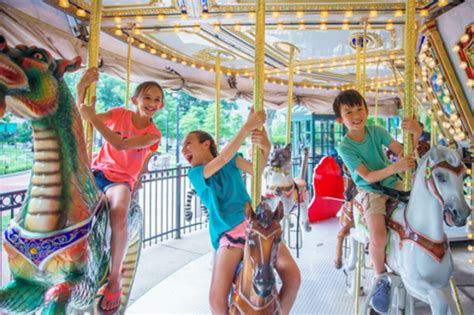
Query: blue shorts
<point x="104" y="183"/>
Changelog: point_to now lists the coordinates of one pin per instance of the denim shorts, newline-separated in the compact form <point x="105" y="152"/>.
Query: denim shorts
<point x="104" y="183"/>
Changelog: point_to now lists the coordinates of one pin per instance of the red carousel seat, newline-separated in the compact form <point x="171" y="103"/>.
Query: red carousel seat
<point x="328" y="190"/>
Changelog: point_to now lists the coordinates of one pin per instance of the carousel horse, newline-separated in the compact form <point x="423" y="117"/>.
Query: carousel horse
<point x="254" y="289"/>
<point x="281" y="186"/>
<point x="58" y="244"/>
<point x="418" y="249"/>
<point x="346" y="216"/>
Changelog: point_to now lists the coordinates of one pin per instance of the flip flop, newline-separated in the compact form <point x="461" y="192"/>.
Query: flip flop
<point x="108" y="296"/>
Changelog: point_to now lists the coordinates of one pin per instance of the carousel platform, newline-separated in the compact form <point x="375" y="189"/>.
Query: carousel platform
<point x="323" y="288"/>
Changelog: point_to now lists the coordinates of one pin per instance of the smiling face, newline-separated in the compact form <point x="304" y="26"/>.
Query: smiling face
<point x="149" y="101"/>
<point x="195" y="152"/>
<point x="354" y="118"/>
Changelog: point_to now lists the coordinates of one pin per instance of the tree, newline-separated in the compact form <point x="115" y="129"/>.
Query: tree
<point x="230" y="121"/>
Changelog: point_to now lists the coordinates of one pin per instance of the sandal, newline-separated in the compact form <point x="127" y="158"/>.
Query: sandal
<point x="108" y="296"/>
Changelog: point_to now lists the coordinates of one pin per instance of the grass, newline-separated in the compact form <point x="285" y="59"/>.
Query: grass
<point x="15" y="160"/>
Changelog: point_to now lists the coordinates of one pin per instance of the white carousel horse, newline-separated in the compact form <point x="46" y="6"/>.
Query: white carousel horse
<point x="419" y="249"/>
<point x="281" y="186"/>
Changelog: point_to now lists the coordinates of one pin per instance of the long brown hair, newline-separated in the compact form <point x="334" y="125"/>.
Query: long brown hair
<point x="204" y="136"/>
<point x="144" y="86"/>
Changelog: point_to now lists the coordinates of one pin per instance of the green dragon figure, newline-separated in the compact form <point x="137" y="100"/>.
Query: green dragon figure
<point x="58" y="244"/>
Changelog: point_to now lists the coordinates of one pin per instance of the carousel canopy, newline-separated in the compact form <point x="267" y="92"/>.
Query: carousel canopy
<point x="176" y="42"/>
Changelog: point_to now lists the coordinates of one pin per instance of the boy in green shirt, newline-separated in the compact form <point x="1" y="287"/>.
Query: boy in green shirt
<point x="362" y="152"/>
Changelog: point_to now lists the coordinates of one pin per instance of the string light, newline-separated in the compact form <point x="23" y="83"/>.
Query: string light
<point x="398" y="13"/>
<point x="424" y="13"/>
<point x="64" y="4"/>
<point x="373" y="13"/>
<point x="323" y="27"/>
<point x="442" y="3"/>
<point x="228" y="15"/>
<point x="81" y="13"/>
<point x="324" y="14"/>
<point x="139" y="18"/>
<point x="205" y="15"/>
<point x="300" y="14"/>
<point x="275" y="14"/>
<point x="237" y="26"/>
<point x="348" y="14"/>
<point x="117" y="20"/>
<point x="161" y="17"/>
<point x="141" y="45"/>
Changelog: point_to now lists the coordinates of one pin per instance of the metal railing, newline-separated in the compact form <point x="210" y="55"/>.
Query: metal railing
<point x="161" y="196"/>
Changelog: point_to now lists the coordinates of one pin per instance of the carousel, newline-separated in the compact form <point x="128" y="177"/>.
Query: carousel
<point x="408" y="59"/>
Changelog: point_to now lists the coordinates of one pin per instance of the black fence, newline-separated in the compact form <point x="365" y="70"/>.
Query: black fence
<point x="162" y="196"/>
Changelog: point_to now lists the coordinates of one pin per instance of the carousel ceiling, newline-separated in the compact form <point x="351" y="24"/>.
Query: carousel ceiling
<point x="322" y="34"/>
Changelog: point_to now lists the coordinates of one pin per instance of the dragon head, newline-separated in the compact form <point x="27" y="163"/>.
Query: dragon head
<point x="29" y="79"/>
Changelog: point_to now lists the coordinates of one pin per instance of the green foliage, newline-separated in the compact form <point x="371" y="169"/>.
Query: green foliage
<point x="230" y="122"/>
<point x="110" y="93"/>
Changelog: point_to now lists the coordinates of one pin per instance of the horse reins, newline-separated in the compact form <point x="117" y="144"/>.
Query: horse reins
<point x="436" y="249"/>
<point x="429" y="176"/>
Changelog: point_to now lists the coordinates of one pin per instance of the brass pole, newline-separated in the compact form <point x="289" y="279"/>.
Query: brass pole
<point x="258" y="90"/>
<point x="433" y="138"/>
<point x="400" y="93"/>
<point x="410" y="40"/>
<point x="377" y="93"/>
<point x="93" y="61"/>
<point x="358" y="271"/>
<point x="290" y="94"/>
<point x="454" y="289"/>
<point x="218" y="98"/>
<point x="358" y="61"/>
<point x="364" y="65"/>
<point x="129" y="66"/>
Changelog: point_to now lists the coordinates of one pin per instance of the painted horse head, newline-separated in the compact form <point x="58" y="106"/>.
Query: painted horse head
<point x="278" y="175"/>
<point x="62" y="192"/>
<point x="444" y="174"/>
<point x="263" y="239"/>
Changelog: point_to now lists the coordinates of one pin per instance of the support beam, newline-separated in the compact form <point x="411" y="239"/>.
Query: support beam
<point x="258" y="91"/>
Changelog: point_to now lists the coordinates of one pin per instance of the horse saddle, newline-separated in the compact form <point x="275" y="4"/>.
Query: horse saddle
<point x="435" y="249"/>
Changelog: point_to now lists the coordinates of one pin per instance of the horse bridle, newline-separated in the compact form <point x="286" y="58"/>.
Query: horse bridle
<point x="429" y="181"/>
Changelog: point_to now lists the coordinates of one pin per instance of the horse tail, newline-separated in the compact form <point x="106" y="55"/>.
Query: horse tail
<point x="188" y="212"/>
<point x="21" y="296"/>
<point x="188" y="209"/>
<point x="132" y="255"/>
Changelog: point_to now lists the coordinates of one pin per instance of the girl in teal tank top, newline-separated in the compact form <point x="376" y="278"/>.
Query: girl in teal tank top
<point x="217" y="179"/>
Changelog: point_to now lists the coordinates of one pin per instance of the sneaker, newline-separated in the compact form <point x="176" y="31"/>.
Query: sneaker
<point x="380" y="299"/>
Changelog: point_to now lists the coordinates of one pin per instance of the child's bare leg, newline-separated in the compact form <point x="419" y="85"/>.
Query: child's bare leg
<point x="343" y="233"/>
<point x="225" y="264"/>
<point x="290" y="277"/>
<point x="378" y="239"/>
<point x="119" y="197"/>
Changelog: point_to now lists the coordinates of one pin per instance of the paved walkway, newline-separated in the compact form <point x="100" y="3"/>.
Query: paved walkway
<point x="323" y="289"/>
<point x="15" y="181"/>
